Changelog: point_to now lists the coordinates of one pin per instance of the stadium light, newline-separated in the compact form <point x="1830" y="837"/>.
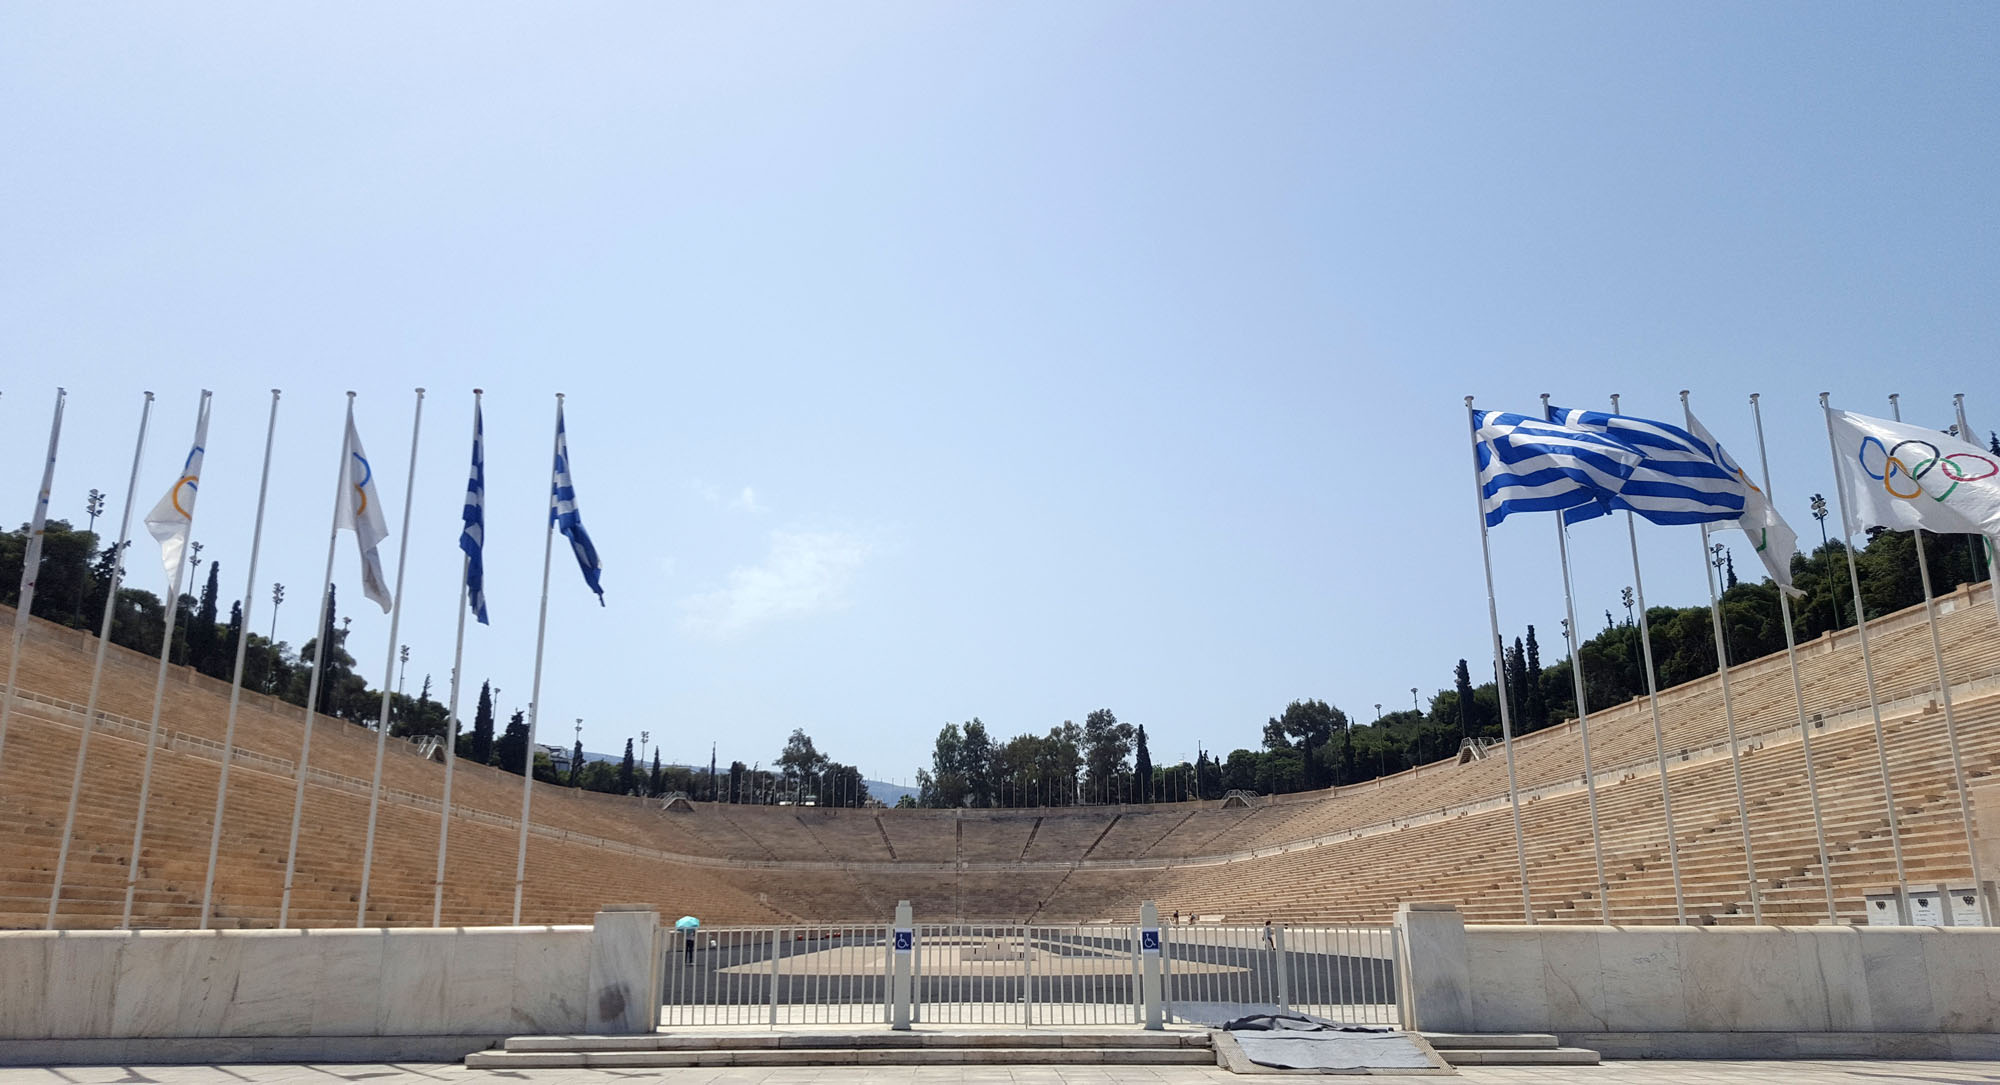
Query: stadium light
<point x="1819" y="513"/>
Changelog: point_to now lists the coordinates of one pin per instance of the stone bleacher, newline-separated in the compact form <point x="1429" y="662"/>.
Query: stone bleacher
<point x="1440" y="831"/>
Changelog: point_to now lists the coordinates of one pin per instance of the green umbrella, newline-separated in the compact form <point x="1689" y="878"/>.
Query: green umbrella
<point x="686" y="923"/>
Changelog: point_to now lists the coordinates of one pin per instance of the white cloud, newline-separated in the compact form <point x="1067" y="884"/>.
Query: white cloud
<point x="804" y="573"/>
<point x="747" y="501"/>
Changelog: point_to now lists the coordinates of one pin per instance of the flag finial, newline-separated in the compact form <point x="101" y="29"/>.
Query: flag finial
<point x="1753" y="397"/>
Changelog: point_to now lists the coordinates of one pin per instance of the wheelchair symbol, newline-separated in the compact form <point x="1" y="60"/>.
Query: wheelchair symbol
<point x="904" y="941"/>
<point x="1149" y="941"/>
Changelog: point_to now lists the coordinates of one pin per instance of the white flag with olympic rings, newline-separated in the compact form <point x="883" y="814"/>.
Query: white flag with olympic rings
<point x="1900" y="476"/>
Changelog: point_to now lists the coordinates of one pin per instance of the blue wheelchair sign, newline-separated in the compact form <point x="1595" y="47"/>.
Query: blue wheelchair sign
<point x="905" y="940"/>
<point x="1149" y="940"/>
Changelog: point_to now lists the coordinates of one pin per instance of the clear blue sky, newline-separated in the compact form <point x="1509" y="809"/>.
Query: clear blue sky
<point x="928" y="361"/>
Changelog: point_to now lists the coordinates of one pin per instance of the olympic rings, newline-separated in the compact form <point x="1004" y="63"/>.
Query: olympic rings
<point x="1956" y="466"/>
<point x="367" y="476"/>
<point x="175" y="495"/>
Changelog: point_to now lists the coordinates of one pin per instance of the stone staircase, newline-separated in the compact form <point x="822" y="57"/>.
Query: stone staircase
<point x="876" y="1047"/>
<point x="1507" y="1049"/>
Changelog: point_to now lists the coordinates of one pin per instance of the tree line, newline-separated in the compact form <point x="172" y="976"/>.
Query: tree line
<point x="1313" y="744"/>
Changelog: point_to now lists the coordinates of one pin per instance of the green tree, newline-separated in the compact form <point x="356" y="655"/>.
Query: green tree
<point x="512" y="747"/>
<point x="628" y="772"/>
<point x="1142" y="764"/>
<point x="1106" y="745"/>
<point x="481" y="745"/>
<point x="1462" y="685"/>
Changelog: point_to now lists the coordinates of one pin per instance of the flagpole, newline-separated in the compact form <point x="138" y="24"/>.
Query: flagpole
<point x="31" y="568"/>
<point x="1729" y="717"/>
<point x="1653" y="698"/>
<point x="159" y="700"/>
<point x="1868" y="672"/>
<point x="1992" y="558"/>
<point x="320" y="639"/>
<point x="236" y="682"/>
<point x="97" y="668"/>
<point x="535" y="697"/>
<point x="1500" y="679"/>
<point x="1944" y="694"/>
<point x="1582" y="709"/>
<point x="1798" y="689"/>
<point x="451" y="713"/>
<point x="389" y="669"/>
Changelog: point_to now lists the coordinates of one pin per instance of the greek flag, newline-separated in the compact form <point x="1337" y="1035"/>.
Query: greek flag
<point x="473" y="539"/>
<point x="1677" y="479"/>
<point x="562" y="510"/>
<point x="1530" y="465"/>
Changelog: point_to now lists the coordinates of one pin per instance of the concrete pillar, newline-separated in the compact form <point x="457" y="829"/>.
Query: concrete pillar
<point x="1434" y="980"/>
<point x="903" y="944"/>
<point x="1149" y="960"/>
<point x="624" y="993"/>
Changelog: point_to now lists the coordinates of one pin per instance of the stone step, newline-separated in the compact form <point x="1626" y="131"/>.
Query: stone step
<point x="831" y="1056"/>
<point x="1521" y="1056"/>
<point x="1444" y="1041"/>
<point x="876" y="1039"/>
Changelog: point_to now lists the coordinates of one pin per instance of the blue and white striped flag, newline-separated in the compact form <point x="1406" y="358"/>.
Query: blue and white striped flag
<point x="1530" y="465"/>
<point x="1677" y="479"/>
<point x="562" y="510"/>
<point x="473" y="539"/>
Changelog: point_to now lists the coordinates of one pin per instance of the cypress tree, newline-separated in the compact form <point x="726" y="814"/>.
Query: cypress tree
<point x="628" y="772"/>
<point x="1142" y="766"/>
<point x="482" y="726"/>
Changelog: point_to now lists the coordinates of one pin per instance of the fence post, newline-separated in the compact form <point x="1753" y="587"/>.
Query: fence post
<point x="1149" y="955"/>
<point x="775" y="949"/>
<point x="1284" y="974"/>
<point x="903" y="939"/>
<point x="1027" y="981"/>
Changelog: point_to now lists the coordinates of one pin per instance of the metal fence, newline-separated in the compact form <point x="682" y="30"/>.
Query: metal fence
<point x="1025" y="975"/>
<point x="1345" y="973"/>
<point x="799" y="975"/>
<point x="1015" y="975"/>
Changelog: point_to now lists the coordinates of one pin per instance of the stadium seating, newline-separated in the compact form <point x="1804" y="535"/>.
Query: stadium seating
<point x="1439" y="831"/>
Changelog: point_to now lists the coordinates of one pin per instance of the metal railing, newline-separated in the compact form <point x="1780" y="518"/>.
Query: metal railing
<point x="820" y="974"/>
<point x="1344" y="973"/>
<point x="1015" y="975"/>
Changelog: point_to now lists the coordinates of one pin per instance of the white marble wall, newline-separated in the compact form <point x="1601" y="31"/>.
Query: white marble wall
<point x="1568" y="980"/>
<point x="399" y="982"/>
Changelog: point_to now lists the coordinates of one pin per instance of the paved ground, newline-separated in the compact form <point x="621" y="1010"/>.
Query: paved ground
<point x="1856" y="1072"/>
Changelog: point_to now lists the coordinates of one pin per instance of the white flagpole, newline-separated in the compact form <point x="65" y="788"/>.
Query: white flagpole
<point x="535" y="697"/>
<point x="1992" y="558"/>
<point x="1729" y="718"/>
<point x="1653" y="698"/>
<point x="1500" y="678"/>
<point x="159" y="700"/>
<point x="31" y="568"/>
<point x="451" y="713"/>
<point x="1582" y="710"/>
<point x="1583" y="726"/>
<point x="1868" y="675"/>
<point x="1944" y="694"/>
<point x="236" y="682"/>
<point x="1798" y="690"/>
<point x="97" y="668"/>
<point x="389" y="668"/>
<point x="320" y="639"/>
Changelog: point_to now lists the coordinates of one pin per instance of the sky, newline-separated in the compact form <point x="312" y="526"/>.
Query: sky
<point x="932" y="361"/>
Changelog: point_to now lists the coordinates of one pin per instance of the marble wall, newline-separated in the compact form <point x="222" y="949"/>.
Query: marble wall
<point x="1575" y="980"/>
<point x="265" y="983"/>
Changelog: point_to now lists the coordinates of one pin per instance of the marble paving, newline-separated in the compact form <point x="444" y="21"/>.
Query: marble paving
<point x="1710" y="1072"/>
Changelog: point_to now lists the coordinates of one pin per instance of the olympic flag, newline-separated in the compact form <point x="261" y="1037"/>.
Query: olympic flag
<point x="1529" y="465"/>
<point x="360" y="511"/>
<point x="172" y="520"/>
<point x="1775" y="540"/>
<point x="1904" y="477"/>
<point x="1676" y="480"/>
